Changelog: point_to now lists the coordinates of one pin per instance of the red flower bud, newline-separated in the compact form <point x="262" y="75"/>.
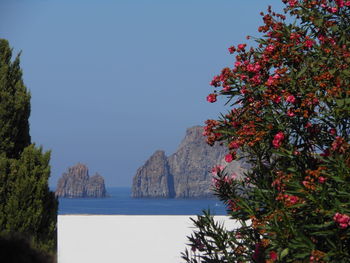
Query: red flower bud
<point x="211" y="98"/>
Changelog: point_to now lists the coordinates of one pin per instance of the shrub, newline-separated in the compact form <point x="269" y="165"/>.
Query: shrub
<point x="290" y="99"/>
<point x="27" y="206"/>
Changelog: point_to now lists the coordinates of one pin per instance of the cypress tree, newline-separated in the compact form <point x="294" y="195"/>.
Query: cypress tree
<point x="14" y="105"/>
<point x="27" y="206"/>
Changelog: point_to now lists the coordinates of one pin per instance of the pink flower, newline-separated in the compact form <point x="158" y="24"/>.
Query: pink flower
<point x="243" y="90"/>
<point x="340" y="3"/>
<point x="270" y="48"/>
<point x="270" y="81"/>
<point x="234" y="145"/>
<point x="291" y="99"/>
<point x="216" y="169"/>
<point x="226" y="88"/>
<point x="277" y="99"/>
<point x="277" y="140"/>
<point x="231" y="49"/>
<point x="273" y="255"/>
<point x="227" y="179"/>
<point x="250" y="67"/>
<point x="308" y="125"/>
<point x="279" y="136"/>
<point x="243" y="77"/>
<point x="211" y="98"/>
<point x="276" y="76"/>
<point x="321" y="179"/>
<point x="290" y="113"/>
<point x="308" y="43"/>
<point x="293" y="199"/>
<point x="273" y="79"/>
<point x="342" y="219"/>
<point x="306" y="183"/>
<point x="292" y="3"/>
<point x="322" y="38"/>
<point x="241" y="46"/>
<point x="229" y="158"/>
<point x="253" y="67"/>
<point x="215" y="182"/>
<point x="238" y="63"/>
<point x="332" y="131"/>
<point x="343" y="225"/>
<point x="333" y="10"/>
<point x="257" y="67"/>
<point x="233" y="176"/>
<point x="290" y="199"/>
<point x="295" y="36"/>
<point x="276" y="143"/>
<point x="256" y="79"/>
<point x="215" y="82"/>
<point x="235" y="124"/>
<point x="296" y="152"/>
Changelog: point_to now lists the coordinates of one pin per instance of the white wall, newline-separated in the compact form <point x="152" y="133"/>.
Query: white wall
<point x="124" y="238"/>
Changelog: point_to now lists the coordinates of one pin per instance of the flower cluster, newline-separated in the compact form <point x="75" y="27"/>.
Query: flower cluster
<point x="277" y="139"/>
<point x="342" y="220"/>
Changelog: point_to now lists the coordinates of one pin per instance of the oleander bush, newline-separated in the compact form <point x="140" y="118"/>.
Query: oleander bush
<point x="290" y="120"/>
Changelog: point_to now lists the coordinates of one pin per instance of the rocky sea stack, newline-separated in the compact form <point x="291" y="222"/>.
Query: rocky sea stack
<point x="184" y="174"/>
<point x="76" y="183"/>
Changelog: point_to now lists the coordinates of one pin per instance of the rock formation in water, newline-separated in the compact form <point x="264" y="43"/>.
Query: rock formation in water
<point x="154" y="178"/>
<point x="76" y="182"/>
<point x="184" y="174"/>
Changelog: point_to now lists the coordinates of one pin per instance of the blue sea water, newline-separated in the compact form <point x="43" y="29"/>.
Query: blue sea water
<point x="120" y="202"/>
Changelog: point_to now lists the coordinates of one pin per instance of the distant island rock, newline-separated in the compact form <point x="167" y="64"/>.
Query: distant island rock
<point x="184" y="174"/>
<point x="76" y="183"/>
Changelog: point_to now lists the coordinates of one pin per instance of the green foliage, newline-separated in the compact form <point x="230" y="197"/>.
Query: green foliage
<point x="291" y="121"/>
<point x="26" y="204"/>
<point x="14" y="104"/>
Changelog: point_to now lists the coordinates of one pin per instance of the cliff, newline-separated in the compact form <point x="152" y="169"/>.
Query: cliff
<point x="153" y="178"/>
<point x="184" y="174"/>
<point x="76" y="182"/>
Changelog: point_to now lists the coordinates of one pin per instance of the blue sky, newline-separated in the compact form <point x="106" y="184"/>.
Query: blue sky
<point x="113" y="81"/>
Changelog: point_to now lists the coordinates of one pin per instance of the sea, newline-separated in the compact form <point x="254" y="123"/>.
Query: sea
<point x="120" y="202"/>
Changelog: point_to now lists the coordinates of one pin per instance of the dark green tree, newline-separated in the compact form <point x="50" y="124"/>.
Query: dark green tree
<point x="14" y="105"/>
<point x="27" y="206"/>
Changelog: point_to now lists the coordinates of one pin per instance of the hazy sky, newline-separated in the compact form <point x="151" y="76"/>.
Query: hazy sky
<point x="112" y="81"/>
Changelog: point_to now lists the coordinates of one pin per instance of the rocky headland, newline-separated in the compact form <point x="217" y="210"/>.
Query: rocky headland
<point x="184" y="174"/>
<point x="76" y="183"/>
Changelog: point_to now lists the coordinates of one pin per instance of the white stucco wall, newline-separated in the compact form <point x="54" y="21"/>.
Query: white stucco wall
<point x="124" y="238"/>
